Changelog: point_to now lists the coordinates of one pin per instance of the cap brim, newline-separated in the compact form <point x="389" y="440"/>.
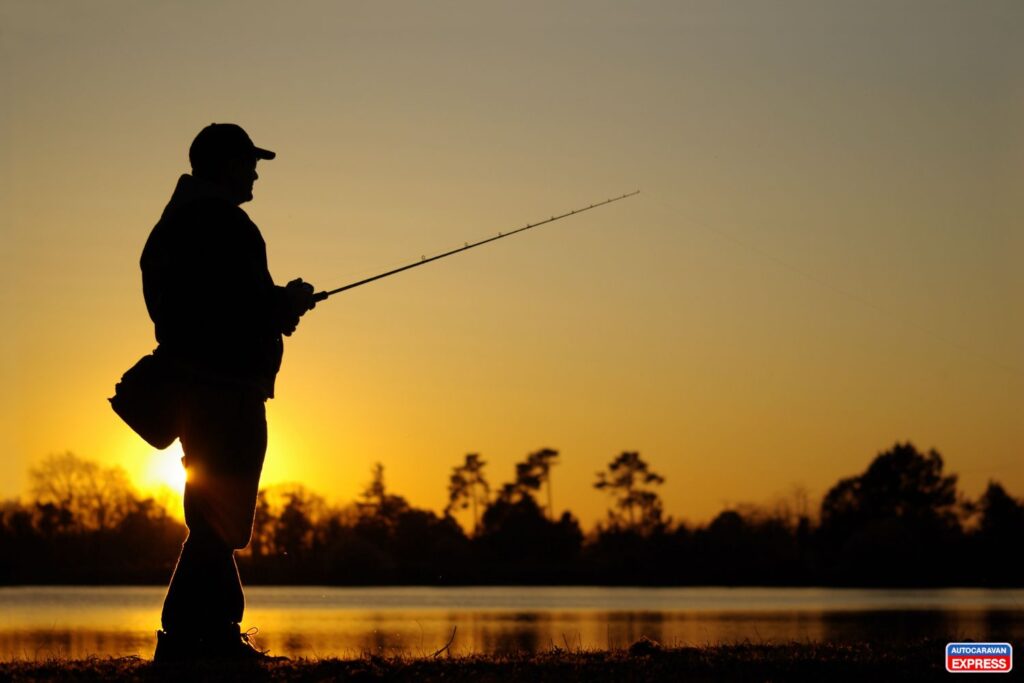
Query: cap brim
<point x="263" y="153"/>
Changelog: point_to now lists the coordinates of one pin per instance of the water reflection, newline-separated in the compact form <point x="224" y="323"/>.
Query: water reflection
<point x="319" y="622"/>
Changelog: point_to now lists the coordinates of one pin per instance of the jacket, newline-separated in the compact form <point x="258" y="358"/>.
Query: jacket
<point x="216" y="310"/>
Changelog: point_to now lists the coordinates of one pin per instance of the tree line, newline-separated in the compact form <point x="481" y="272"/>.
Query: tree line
<point x="901" y="522"/>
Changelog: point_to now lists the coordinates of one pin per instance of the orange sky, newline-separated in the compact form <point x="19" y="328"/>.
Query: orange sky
<point x="825" y="257"/>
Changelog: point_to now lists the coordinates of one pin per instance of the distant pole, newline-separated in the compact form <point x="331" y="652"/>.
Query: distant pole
<point x="551" y="504"/>
<point x="472" y="500"/>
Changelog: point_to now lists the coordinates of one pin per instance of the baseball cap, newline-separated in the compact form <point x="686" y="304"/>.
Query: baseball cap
<point x="220" y="141"/>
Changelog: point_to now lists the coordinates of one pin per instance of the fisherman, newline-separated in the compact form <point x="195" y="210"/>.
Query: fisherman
<point x="219" y="322"/>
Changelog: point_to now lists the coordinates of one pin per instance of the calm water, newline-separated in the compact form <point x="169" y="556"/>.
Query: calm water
<point x="38" y="622"/>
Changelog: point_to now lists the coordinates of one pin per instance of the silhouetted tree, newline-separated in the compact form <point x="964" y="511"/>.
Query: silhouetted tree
<point x="429" y="549"/>
<point x="295" y="531"/>
<point x="1002" y="516"/>
<point x="53" y="520"/>
<point x="531" y="474"/>
<point x="86" y="525"/>
<point x="142" y="548"/>
<point x="95" y="497"/>
<point x="262" y="540"/>
<point x="468" y="487"/>
<point x="520" y="542"/>
<point x="750" y="545"/>
<point x="538" y="466"/>
<point x="893" y="523"/>
<point x="896" y="523"/>
<point x="629" y="482"/>
<point x="899" y="483"/>
<point x="377" y="503"/>
<point x="793" y="509"/>
<point x="1000" y="537"/>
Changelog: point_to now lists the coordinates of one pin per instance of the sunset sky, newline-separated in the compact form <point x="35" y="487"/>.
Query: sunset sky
<point x="826" y="255"/>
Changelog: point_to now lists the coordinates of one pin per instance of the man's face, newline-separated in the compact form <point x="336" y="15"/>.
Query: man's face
<point x="237" y="177"/>
<point x="240" y="174"/>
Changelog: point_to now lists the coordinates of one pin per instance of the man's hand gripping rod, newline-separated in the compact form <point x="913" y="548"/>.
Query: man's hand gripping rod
<point x="320" y="296"/>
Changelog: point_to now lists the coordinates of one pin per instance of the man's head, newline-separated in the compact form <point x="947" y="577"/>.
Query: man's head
<point x="223" y="154"/>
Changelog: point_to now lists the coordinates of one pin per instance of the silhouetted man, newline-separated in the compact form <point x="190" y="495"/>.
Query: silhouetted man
<point x="219" y="319"/>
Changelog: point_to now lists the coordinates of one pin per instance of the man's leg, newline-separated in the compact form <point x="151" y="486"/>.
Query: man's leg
<point x="224" y="437"/>
<point x="205" y="594"/>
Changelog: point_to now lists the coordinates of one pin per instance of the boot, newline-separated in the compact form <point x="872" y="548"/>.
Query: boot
<point x="228" y="644"/>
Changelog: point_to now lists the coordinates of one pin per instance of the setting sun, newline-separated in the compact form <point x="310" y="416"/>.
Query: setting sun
<point x="165" y="469"/>
<point x="760" y="421"/>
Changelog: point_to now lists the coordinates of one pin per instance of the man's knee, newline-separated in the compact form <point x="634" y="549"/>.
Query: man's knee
<point x="224" y="504"/>
<point x="230" y="524"/>
<point x="237" y="538"/>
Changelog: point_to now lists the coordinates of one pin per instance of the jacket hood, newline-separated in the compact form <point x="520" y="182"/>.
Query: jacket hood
<point x="191" y="189"/>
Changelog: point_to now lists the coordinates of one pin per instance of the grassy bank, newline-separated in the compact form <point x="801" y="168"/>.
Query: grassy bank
<point x="796" y="662"/>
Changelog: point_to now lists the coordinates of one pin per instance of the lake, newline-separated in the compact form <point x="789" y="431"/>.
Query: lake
<point x="42" y="622"/>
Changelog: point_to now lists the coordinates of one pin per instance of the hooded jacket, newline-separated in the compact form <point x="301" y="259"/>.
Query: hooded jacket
<point x="214" y="304"/>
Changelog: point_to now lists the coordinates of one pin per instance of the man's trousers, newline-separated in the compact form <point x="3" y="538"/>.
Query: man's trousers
<point x="224" y="437"/>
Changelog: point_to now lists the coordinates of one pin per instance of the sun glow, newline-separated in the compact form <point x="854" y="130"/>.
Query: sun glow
<point x="166" y="469"/>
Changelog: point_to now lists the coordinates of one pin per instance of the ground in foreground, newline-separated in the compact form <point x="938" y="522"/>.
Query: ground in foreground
<point x="644" y="661"/>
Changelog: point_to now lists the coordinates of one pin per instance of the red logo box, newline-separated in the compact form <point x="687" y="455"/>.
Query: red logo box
<point x="978" y="658"/>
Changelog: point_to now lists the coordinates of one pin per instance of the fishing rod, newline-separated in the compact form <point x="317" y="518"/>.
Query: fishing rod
<point x="320" y="296"/>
